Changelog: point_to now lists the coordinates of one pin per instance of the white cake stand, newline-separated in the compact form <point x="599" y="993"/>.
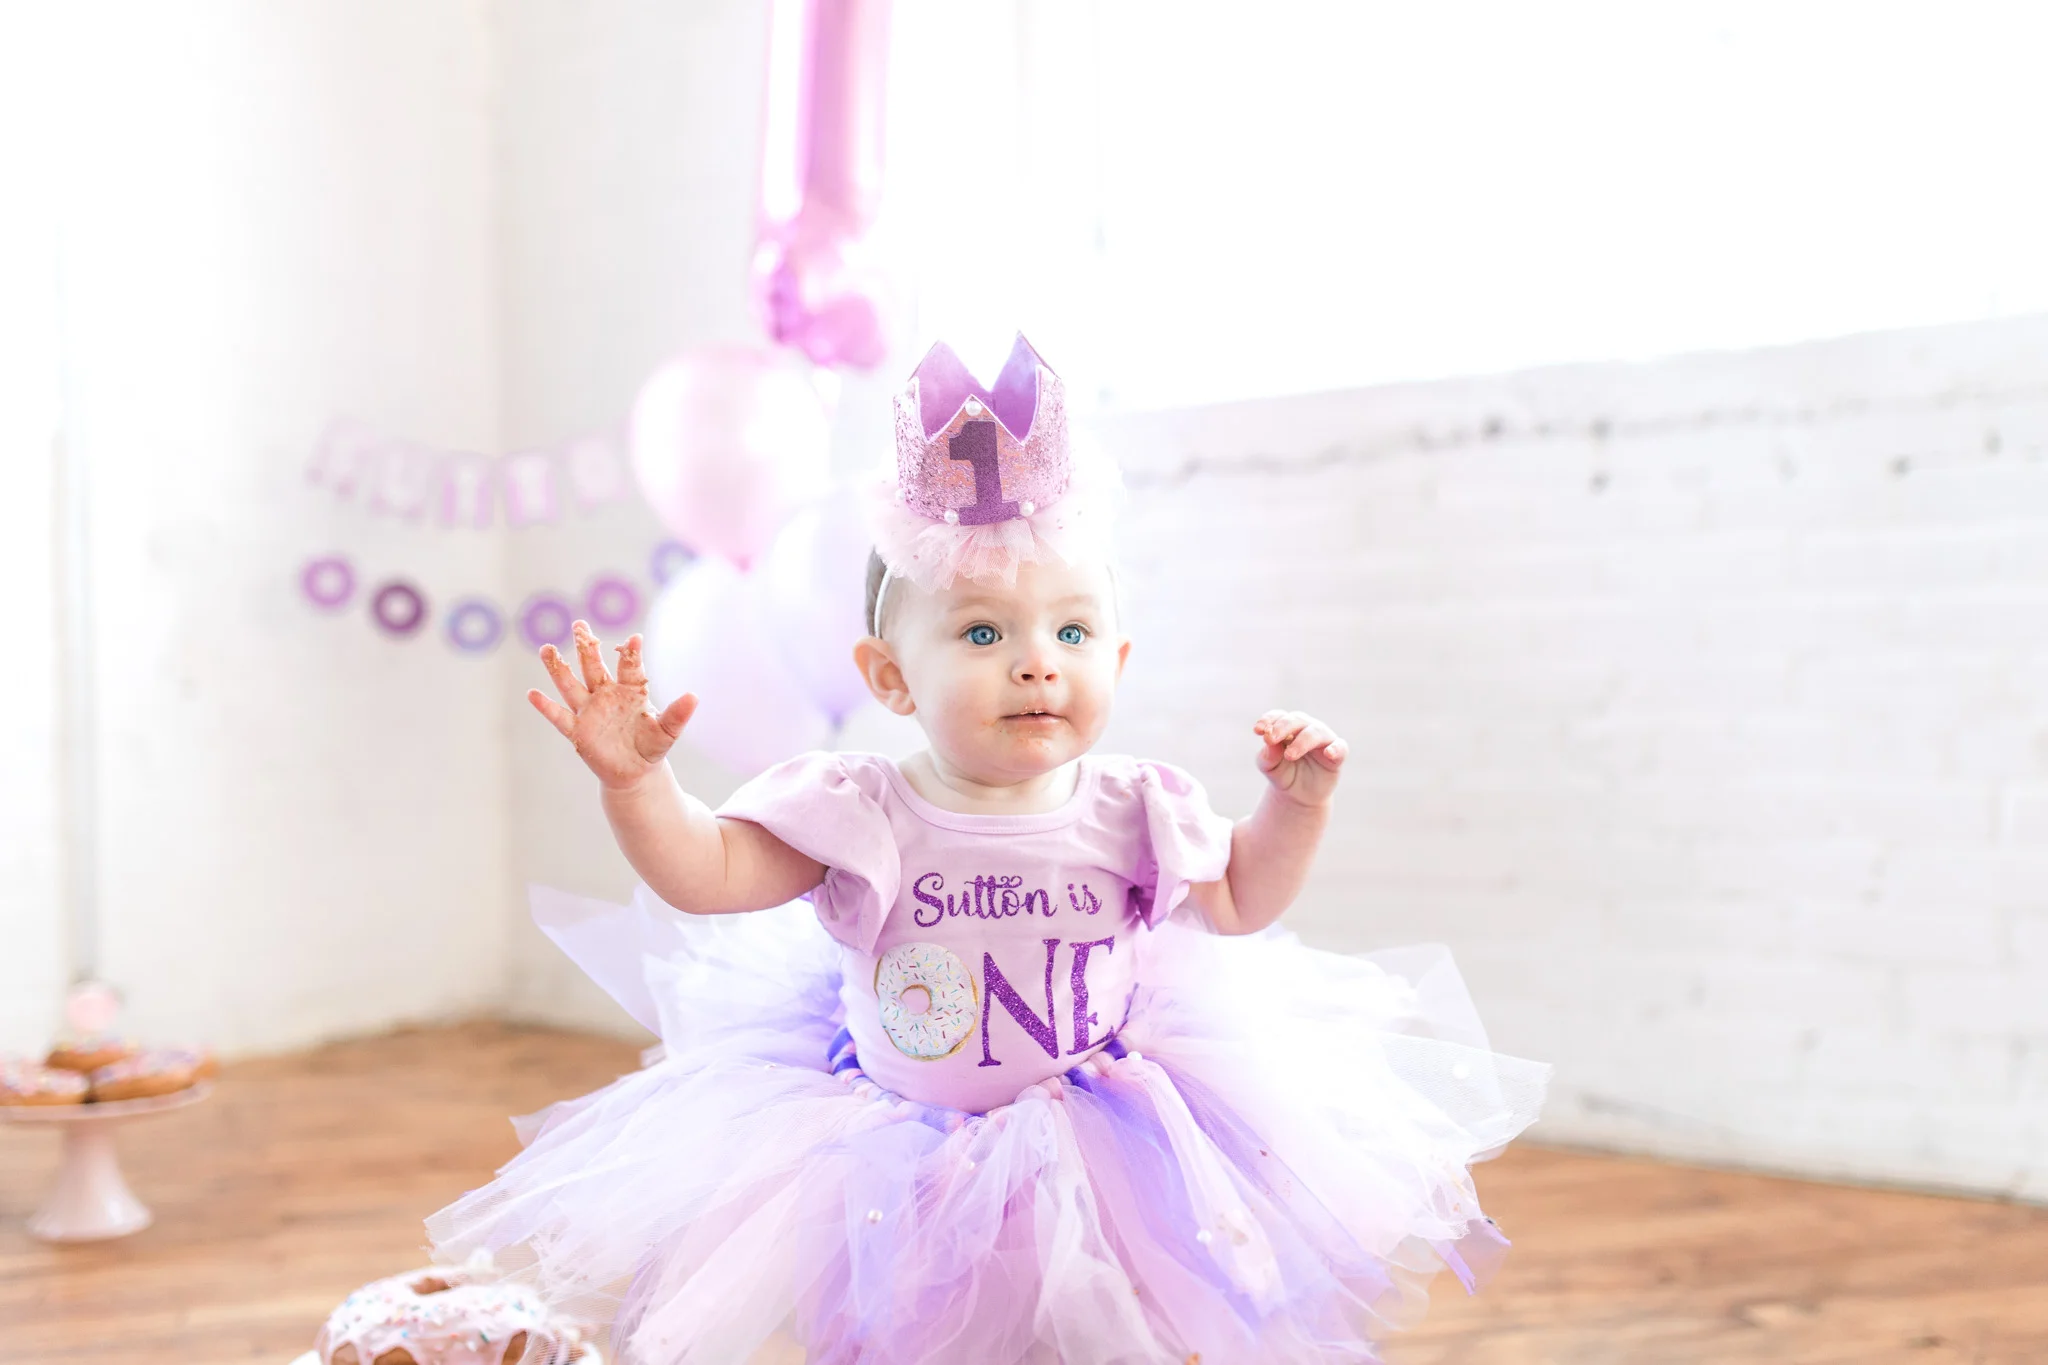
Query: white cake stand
<point x="90" y="1201"/>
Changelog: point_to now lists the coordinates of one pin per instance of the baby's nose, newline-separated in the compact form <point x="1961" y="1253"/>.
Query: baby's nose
<point x="1035" y="667"/>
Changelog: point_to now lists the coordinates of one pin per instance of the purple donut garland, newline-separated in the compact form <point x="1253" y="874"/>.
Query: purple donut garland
<point x="398" y="609"/>
<point x="328" y="582"/>
<point x="611" y="602"/>
<point x="475" y="626"/>
<point x="670" y="558"/>
<point x="546" y="620"/>
<point x="398" y="606"/>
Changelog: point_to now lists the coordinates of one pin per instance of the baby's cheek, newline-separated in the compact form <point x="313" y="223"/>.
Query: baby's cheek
<point x="961" y="706"/>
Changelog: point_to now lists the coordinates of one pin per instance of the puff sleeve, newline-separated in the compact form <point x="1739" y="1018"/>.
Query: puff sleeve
<point x="1184" y="841"/>
<point x="827" y="807"/>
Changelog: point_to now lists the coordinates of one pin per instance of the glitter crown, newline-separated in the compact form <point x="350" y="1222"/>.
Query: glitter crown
<point x="972" y="456"/>
<point x="984" y="479"/>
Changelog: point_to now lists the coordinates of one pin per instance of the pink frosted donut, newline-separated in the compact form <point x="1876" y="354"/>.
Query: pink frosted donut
<point x="88" y="1053"/>
<point x="143" y="1076"/>
<point x="25" y="1083"/>
<point x="445" y="1316"/>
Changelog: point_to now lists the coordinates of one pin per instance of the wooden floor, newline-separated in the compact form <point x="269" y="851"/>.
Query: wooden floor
<point x="305" y="1176"/>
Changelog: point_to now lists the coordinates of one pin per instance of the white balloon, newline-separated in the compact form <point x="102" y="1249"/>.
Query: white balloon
<point x="814" y="586"/>
<point x="707" y="633"/>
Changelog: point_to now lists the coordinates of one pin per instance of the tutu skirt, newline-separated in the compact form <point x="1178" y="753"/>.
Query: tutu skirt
<point x="1267" y="1164"/>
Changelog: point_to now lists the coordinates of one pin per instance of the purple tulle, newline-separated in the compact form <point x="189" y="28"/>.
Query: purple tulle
<point x="1265" y="1174"/>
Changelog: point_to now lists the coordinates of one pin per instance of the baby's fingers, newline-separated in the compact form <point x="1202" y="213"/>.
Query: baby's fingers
<point x="590" y="655"/>
<point x="654" y="736"/>
<point x="572" y="691"/>
<point x="1277" y="727"/>
<point x="1311" y="737"/>
<point x="559" y="716"/>
<point x="631" y="673"/>
<point x="677" y="714"/>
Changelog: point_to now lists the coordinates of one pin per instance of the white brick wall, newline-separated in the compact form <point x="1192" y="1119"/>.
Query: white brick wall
<point x="1702" y="707"/>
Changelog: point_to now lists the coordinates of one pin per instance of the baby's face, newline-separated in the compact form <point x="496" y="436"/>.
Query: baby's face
<point x="1008" y="682"/>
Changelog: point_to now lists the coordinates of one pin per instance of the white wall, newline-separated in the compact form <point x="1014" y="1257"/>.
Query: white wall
<point x="1699" y="706"/>
<point x="275" y="214"/>
<point x="32" y="929"/>
<point x="626" y="155"/>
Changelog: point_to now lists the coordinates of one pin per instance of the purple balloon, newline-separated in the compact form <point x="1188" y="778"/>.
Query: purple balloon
<point x="821" y="180"/>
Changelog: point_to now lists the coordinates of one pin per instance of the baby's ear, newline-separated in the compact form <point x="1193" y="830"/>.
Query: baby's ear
<point x="884" y="676"/>
<point x="1123" y="656"/>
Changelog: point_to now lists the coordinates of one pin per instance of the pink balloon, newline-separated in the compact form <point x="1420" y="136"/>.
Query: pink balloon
<point x="814" y="588"/>
<point x="707" y="633"/>
<point x="726" y="443"/>
<point x="821" y="180"/>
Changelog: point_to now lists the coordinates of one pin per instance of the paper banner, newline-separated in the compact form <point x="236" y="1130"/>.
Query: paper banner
<point x="596" y="473"/>
<point x="461" y="490"/>
<point x="339" y="457"/>
<point x="466" y="490"/>
<point x="402" y="479"/>
<point x="529" y="483"/>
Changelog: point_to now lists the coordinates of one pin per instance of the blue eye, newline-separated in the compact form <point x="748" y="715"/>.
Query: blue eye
<point x="1073" y="635"/>
<point x="982" y="635"/>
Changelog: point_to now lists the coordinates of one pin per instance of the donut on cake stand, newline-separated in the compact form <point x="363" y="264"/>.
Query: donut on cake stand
<point x="91" y="1200"/>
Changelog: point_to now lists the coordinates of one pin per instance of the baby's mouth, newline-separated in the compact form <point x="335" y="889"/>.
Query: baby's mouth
<point x="1031" y="716"/>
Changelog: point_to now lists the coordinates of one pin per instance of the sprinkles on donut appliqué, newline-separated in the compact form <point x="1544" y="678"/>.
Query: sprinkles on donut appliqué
<point x="928" y="1000"/>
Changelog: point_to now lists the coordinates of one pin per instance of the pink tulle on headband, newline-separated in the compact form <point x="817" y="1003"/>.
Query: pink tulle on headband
<point x="1075" y="529"/>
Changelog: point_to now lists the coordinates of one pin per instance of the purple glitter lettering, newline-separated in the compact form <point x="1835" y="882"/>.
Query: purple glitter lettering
<point x="939" y="908"/>
<point x="1044" y="901"/>
<point x="975" y="446"/>
<point x="1085" y="903"/>
<point x="1082" y="1017"/>
<point x="994" y="984"/>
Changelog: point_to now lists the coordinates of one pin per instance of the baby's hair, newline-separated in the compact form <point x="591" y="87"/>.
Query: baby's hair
<point x="878" y="572"/>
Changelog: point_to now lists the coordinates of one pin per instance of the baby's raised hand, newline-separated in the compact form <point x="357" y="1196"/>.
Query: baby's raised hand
<point x="609" y="721"/>
<point x="1300" y="756"/>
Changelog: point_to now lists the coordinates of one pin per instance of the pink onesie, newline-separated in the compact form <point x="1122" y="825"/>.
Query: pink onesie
<point x="986" y="953"/>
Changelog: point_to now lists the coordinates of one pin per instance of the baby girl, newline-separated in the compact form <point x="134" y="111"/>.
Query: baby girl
<point x="1031" y="1079"/>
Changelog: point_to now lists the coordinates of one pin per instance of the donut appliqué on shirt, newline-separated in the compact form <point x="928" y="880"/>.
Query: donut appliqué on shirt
<point x="927" y="998"/>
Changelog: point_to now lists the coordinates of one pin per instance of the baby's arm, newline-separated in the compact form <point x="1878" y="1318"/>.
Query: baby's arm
<point x="693" y="860"/>
<point x="1271" y="851"/>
